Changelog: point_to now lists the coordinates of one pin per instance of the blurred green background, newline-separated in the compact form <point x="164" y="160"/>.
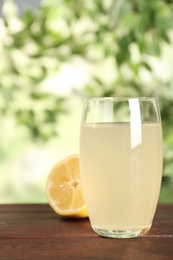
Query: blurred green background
<point x="53" y="56"/>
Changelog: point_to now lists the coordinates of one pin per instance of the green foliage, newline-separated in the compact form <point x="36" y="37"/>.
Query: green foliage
<point x="31" y="51"/>
<point x="126" y="34"/>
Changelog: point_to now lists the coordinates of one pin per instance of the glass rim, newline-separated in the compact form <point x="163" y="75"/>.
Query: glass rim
<point x="119" y="98"/>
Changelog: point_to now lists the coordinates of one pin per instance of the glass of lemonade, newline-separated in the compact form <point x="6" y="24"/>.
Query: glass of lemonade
<point x="121" y="164"/>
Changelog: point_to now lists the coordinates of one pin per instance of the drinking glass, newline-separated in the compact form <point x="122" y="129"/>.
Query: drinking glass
<point x="121" y="164"/>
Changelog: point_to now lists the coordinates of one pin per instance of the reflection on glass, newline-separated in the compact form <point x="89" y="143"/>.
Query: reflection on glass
<point x="135" y="122"/>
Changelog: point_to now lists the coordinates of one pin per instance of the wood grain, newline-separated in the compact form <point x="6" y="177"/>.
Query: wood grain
<point x="34" y="231"/>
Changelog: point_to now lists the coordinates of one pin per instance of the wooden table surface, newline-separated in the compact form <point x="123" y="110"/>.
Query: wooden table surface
<point x="34" y="231"/>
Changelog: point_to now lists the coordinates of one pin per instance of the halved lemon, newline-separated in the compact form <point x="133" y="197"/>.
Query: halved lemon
<point x="64" y="190"/>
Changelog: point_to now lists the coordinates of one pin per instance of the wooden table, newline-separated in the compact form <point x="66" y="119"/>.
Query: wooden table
<point x="34" y="231"/>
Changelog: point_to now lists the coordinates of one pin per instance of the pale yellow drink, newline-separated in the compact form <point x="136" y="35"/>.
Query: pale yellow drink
<point x="121" y="169"/>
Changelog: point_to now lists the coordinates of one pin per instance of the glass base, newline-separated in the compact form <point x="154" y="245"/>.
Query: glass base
<point x="121" y="233"/>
